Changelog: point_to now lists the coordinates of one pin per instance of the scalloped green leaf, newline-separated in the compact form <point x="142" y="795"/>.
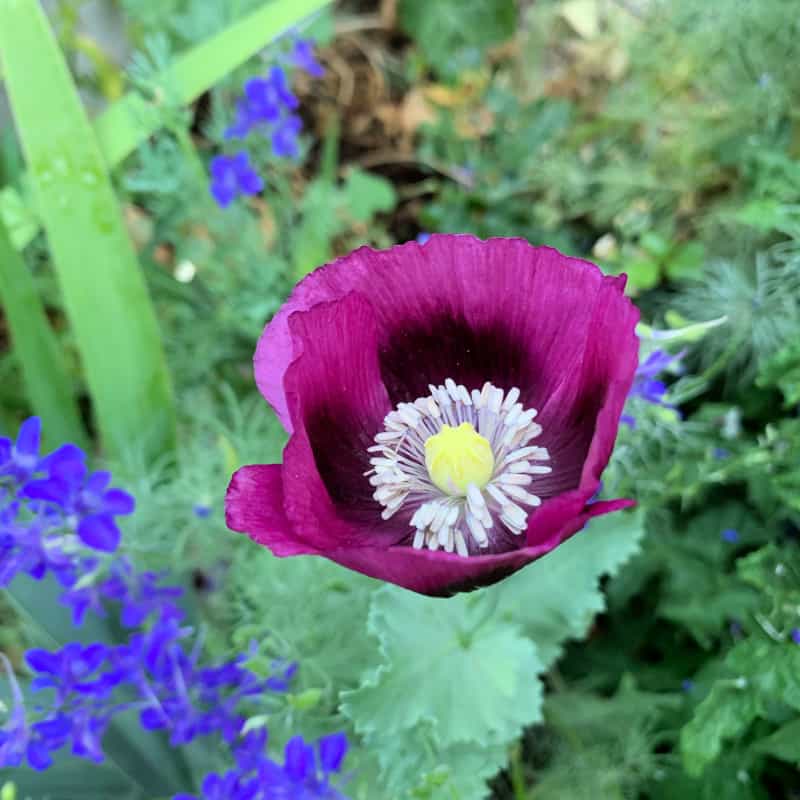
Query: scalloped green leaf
<point x="446" y="662"/>
<point x="557" y="597"/>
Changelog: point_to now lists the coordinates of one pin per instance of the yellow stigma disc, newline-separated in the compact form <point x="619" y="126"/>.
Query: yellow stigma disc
<point x="457" y="457"/>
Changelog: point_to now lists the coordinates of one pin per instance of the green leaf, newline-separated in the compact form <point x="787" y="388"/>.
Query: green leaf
<point x="557" y="597"/>
<point x="784" y="743"/>
<point x="22" y="224"/>
<point x="35" y="346"/>
<point x="783" y="370"/>
<point x="459" y="772"/>
<point x="132" y="119"/>
<point x="320" y="223"/>
<point x="589" y="716"/>
<point x="764" y="679"/>
<point x="71" y="777"/>
<point x="454" y="34"/>
<point x="365" y="195"/>
<point x="699" y="591"/>
<point x="765" y="215"/>
<point x="104" y="291"/>
<point x="725" y="713"/>
<point x="686" y="261"/>
<point x="643" y="273"/>
<point x="447" y="663"/>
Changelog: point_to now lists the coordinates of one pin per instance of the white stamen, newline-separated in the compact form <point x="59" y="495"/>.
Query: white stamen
<point x="453" y="522"/>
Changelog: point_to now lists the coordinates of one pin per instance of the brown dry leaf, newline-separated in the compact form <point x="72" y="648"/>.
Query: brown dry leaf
<point x="471" y="88"/>
<point x="415" y="111"/>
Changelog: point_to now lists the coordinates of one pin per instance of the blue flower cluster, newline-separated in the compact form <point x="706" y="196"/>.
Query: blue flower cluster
<point x="267" y="104"/>
<point x="57" y="518"/>
<point x="51" y="504"/>
<point x="646" y="385"/>
<point x="304" y="775"/>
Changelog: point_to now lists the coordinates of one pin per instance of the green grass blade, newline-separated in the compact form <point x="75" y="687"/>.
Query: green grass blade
<point x="105" y="295"/>
<point x="44" y="372"/>
<point x="131" y="119"/>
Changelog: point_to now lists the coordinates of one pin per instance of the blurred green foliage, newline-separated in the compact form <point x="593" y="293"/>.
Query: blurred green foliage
<point x="650" y="656"/>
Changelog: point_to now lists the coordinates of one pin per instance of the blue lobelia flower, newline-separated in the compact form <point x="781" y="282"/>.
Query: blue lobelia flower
<point x="302" y="56"/>
<point x="730" y="536"/>
<point x="646" y="385"/>
<point x="19" y="459"/>
<point x="304" y="774"/>
<point x="265" y="101"/>
<point x="284" y="137"/>
<point x="50" y="504"/>
<point x="232" y="176"/>
<point x="157" y="672"/>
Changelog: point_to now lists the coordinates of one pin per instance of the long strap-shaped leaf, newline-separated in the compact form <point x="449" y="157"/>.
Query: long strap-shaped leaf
<point x="35" y="345"/>
<point x="105" y="295"/>
<point x="131" y="119"/>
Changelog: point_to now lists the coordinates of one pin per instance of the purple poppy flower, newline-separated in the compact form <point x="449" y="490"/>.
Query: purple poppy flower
<point x="409" y="380"/>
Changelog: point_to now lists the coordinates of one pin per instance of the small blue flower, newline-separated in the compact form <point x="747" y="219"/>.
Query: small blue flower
<point x="298" y="758"/>
<point x="201" y="511"/>
<point x="645" y="384"/>
<point x="687" y="685"/>
<point x="332" y="750"/>
<point x="21" y="458"/>
<point x="232" y="176"/>
<point x="730" y="535"/>
<point x="720" y="453"/>
<point x="795" y="635"/>
<point x="284" y="137"/>
<point x="302" y="56"/>
<point x="156" y="673"/>
<point x="282" y="674"/>
<point x="265" y="101"/>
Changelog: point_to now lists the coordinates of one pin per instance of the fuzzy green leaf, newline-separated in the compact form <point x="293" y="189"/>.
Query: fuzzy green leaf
<point x="725" y="713"/>
<point x="454" y="34"/>
<point x="365" y="195"/>
<point x="104" y="291"/>
<point x="447" y="663"/>
<point x="752" y="691"/>
<point x="459" y="772"/>
<point x="557" y="597"/>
